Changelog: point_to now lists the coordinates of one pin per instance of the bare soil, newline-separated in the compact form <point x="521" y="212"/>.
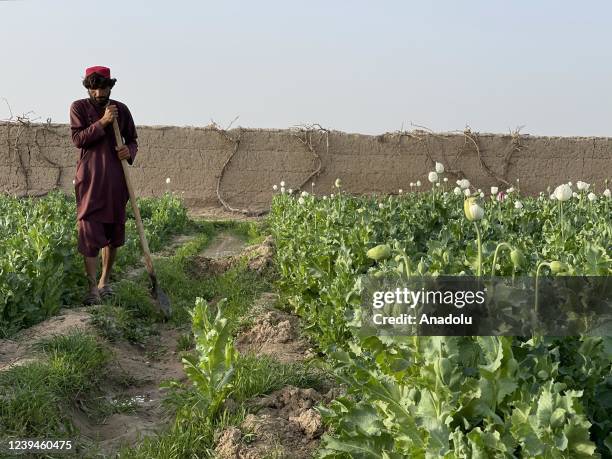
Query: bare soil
<point x="274" y="333"/>
<point x="133" y="377"/>
<point x="285" y="425"/>
<point x="227" y="251"/>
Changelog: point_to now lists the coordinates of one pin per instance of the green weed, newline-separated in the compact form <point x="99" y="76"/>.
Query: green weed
<point x="260" y="375"/>
<point x="35" y="396"/>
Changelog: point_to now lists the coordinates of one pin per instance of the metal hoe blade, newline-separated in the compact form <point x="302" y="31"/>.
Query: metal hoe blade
<point x="162" y="302"/>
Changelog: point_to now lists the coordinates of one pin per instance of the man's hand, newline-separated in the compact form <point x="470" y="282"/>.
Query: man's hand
<point x="123" y="152"/>
<point x="110" y="114"/>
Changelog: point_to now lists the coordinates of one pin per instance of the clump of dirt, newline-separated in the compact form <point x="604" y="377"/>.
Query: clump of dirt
<point x="214" y="260"/>
<point x="276" y="334"/>
<point x="260" y="256"/>
<point x="201" y="266"/>
<point x="286" y="424"/>
<point x="17" y="351"/>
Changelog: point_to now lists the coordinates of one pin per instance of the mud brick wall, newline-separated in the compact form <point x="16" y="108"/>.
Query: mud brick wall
<point x="36" y="158"/>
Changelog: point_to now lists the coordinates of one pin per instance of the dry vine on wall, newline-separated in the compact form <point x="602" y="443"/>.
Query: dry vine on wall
<point x="471" y="143"/>
<point x="25" y="125"/>
<point x="303" y="133"/>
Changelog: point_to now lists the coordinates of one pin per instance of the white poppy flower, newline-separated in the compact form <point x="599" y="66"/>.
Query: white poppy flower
<point x="439" y="168"/>
<point x="301" y="200"/>
<point x="401" y="191"/>
<point x="466" y="192"/>
<point x="494" y="190"/>
<point x="592" y="197"/>
<point x="477" y="211"/>
<point x="282" y="183"/>
<point x="472" y="209"/>
<point x="418" y="183"/>
<point x="464" y="183"/>
<point x="457" y="191"/>
<point x="607" y="193"/>
<point x="510" y="190"/>
<point x="432" y="177"/>
<point x="282" y="189"/>
<point x="168" y="181"/>
<point x="518" y="205"/>
<point x="446" y="179"/>
<point x="582" y="186"/>
<point x="563" y="192"/>
<point x="338" y="183"/>
<point x="274" y="187"/>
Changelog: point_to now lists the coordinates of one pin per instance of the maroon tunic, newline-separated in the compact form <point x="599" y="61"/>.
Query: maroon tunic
<point x="101" y="192"/>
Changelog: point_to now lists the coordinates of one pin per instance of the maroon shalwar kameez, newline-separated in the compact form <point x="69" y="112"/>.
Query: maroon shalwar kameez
<point x="101" y="192"/>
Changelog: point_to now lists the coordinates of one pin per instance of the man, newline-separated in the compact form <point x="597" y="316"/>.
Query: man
<point x="100" y="188"/>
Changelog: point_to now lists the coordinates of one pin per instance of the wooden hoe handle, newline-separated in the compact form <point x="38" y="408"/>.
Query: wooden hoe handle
<point x="143" y="240"/>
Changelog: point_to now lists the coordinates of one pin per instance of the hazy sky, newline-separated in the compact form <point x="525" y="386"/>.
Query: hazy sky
<point x="355" y="66"/>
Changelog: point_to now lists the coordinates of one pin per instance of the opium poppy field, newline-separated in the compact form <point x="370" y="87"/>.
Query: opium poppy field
<point x="450" y="396"/>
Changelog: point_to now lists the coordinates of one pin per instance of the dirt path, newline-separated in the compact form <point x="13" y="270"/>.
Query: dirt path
<point x="145" y="374"/>
<point x="133" y="377"/>
<point x="284" y="423"/>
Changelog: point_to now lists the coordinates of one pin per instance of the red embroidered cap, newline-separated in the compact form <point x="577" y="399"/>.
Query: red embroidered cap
<point x="103" y="71"/>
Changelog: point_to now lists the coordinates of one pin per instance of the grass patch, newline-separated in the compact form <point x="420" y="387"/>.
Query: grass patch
<point x="185" y="342"/>
<point x="35" y="396"/>
<point x="260" y="375"/>
<point x="237" y="284"/>
<point x="130" y="315"/>
<point x="115" y="323"/>
<point x="191" y="435"/>
<point x="249" y="232"/>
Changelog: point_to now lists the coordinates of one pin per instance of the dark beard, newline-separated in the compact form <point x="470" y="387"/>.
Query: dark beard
<point x="99" y="102"/>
